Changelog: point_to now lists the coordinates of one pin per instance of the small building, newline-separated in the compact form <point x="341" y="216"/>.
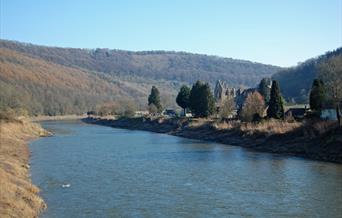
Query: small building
<point x="91" y="113"/>
<point x="296" y="113"/>
<point x="187" y="114"/>
<point x="329" y="114"/>
<point x="170" y="112"/>
<point x="140" y="113"/>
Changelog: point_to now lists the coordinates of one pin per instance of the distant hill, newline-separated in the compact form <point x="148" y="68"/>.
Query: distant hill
<point x="52" y="80"/>
<point x="43" y="87"/>
<point x="46" y="88"/>
<point x="296" y="82"/>
<point x="158" y="65"/>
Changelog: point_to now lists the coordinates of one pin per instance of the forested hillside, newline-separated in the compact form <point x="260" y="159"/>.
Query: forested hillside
<point x="296" y="82"/>
<point x="158" y="65"/>
<point x="42" y="87"/>
<point x="51" y="80"/>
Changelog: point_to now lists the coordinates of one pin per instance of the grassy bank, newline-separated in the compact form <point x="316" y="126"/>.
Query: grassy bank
<point x="318" y="140"/>
<point x="18" y="196"/>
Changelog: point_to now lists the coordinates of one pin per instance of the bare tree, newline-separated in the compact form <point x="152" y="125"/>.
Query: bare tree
<point x="152" y="109"/>
<point x="227" y="108"/>
<point x="253" y="106"/>
<point x="331" y="74"/>
<point x="127" y="108"/>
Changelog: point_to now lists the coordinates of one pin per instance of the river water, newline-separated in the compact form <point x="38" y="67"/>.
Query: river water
<point x="94" y="171"/>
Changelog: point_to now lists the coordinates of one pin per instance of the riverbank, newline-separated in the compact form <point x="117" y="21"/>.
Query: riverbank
<point x="319" y="141"/>
<point x="18" y="196"/>
<point x="56" y="118"/>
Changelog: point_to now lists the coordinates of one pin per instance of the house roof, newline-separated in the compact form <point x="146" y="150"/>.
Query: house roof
<point x="296" y="111"/>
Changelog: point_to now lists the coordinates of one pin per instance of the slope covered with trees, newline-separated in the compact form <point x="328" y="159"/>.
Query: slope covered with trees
<point x="42" y="87"/>
<point x="158" y="65"/>
<point x="51" y="80"/>
<point x="296" y="82"/>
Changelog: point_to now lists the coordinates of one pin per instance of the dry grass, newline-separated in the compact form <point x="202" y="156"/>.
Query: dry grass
<point x="318" y="127"/>
<point x="323" y="126"/>
<point x="18" y="197"/>
<point x="267" y="127"/>
<point x="226" y="125"/>
<point x="270" y="127"/>
<point x="197" y="122"/>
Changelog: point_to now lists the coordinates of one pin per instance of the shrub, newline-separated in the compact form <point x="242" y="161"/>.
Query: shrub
<point x="227" y="108"/>
<point x="253" y="107"/>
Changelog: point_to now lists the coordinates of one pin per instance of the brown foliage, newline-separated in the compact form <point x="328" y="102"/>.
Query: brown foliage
<point x="227" y="108"/>
<point x="266" y="127"/>
<point x="254" y="105"/>
<point x="44" y="87"/>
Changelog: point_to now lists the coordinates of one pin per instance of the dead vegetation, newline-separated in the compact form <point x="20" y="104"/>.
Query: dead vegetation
<point x="18" y="197"/>
<point x="265" y="127"/>
<point x="310" y="139"/>
<point x="307" y="128"/>
<point x="270" y="127"/>
<point x="315" y="128"/>
<point x="198" y="122"/>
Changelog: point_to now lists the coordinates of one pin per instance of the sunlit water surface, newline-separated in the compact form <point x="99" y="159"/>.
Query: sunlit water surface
<point x="123" y="173"/>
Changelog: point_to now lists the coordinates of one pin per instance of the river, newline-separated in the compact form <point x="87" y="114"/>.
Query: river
<point x="95" y="171"/>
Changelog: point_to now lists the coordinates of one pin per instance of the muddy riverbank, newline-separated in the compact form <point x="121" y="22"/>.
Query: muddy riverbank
<point x="301" y="141"/>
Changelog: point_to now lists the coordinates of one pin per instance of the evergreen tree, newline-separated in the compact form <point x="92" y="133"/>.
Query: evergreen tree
<point x="265" y="89"/>
<point x="183" y="98"/>
<point x="202" y="102"/>
<point x="276" y="106"/>
<point x="317" y="96"/>
<point x="154" y="98"/>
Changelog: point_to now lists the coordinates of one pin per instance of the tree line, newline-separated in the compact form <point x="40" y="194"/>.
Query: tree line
<point x="200" y="101"/>
<point x="265" y="101"/>
<point x="296" y="81"/>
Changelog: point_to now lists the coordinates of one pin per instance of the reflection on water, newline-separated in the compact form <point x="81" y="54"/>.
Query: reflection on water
<point x="123" y="173"/>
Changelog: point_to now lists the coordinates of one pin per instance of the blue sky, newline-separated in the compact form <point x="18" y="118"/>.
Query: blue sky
<point x="278" y="32"/>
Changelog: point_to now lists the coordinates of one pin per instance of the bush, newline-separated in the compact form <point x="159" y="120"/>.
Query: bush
<point x="7" y="114"/>
<point x="227" y="108"/>
<point x="253" y="107"/>
<point x="152" y="109"/>
<point x="123" y="108"/>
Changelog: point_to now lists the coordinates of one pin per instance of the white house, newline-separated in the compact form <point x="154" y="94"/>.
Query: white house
<point x="329" y="114"/>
